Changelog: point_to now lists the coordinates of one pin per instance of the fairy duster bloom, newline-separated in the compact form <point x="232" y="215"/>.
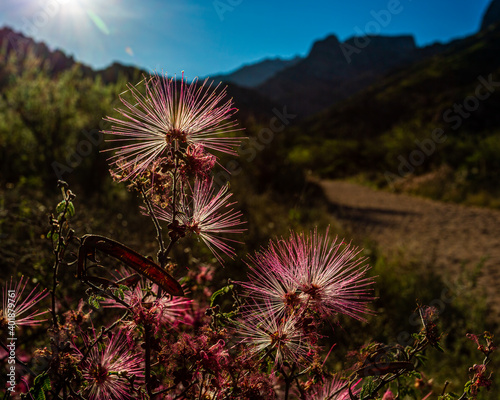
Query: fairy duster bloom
<point x="208" y="215"/>
<point x="164" y="312"/>
<point x="109" y="367"/>
<point x="272" y="280"/>
<point x="309" y="271"/>
<point x="266" y="334"/>
<point x="16" y="305"/>
<point x="333" y="279"/>
<point x="168" y="115"/>
<point x="335" y="389"/>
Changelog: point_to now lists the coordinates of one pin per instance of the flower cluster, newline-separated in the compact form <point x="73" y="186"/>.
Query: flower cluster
<point x="112" y="368"/>
<point x="168" y="117"/>
<point x="310" y="272"/>
<point x="294" y="285"/>
<point x="336" y="389"/>
<point x="162" y="146"/>
<point x="163" y="312"/>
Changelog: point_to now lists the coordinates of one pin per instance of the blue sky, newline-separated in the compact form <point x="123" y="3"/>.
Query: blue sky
<point x="205" y="37"/>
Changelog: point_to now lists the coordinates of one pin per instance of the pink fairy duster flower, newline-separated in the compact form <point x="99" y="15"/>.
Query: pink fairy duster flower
<point x="166" y="311"/>
<point x="331" y="278"/>
<point x="171" y="114"/>
<point x="388" y="395"/>
<point x="335" y="389"/>
<point x="198" y="162"/>
<point x="271" y="280"/>
<point x="110" y="367"/>
<point x="212" y="216"/>
<point x="15" y="307"/>
<point x="266" y="334"/>
<point x="208" y="216"/>
<point x="310" y="272"/>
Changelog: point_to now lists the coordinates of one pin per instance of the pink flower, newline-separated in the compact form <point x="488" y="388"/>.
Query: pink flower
<point x="198" y="162"/>
<point x="169" y="115"/>
<point x="271" y="279"/>
<point x="388" y="395"/>
<point x="15" y="307"/>
<point x="330" y="277"/>
<point x="266" y="334"/>
<point x="110" y="368"/>
<point x="208" y="216"/>
<point x="166" y="312"/>
<point x="310" y="272"/>
<point x="335" y="389"/>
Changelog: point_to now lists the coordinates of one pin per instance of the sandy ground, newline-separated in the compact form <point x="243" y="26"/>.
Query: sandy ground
<point x="447" y="235"/>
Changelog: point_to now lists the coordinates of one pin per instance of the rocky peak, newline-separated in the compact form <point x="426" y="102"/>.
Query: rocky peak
<point x="492" y="14"/>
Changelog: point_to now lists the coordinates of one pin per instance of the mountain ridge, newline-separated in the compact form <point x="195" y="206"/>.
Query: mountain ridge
<point x="253" y="74"/>
<point x="334" y="70"/>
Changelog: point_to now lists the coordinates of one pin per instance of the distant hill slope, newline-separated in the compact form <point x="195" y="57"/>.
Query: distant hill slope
<point x="334" y="71"/>
<point x="56" y="61"/>
<point x="253" y="75"/>
<point x="377" y="130"/>
<point x="251" y="103"/>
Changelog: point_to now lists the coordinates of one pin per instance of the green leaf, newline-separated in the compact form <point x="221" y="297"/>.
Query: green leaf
<point x="94" y="302"/>
<point x="125" y="288"/>
<point x="40" y="386"/>
<point x="220" y="292"/>
<point x="119" y="293"/>
<point x="438" y="346"/>
<point x="60" y="207"/>
<point x="71" y="209"/>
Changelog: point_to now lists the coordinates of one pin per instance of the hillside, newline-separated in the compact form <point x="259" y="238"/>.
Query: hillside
<point x="333" y="71"/>
<point x="379" y="132"/>
<point x="253" y="75"/>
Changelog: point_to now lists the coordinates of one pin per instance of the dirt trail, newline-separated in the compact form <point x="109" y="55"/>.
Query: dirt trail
<point x="447" y="234"/>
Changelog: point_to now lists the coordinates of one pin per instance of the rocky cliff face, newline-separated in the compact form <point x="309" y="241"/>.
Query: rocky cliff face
<point x="335" y="70"/>
<point x="492" y="15"/>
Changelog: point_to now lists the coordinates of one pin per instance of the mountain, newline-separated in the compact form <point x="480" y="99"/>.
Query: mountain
<point x="439" y="114"/>
<point x="252" y="75"/>
<point x="56" y="61"/>
<point x="333" y="71"/>
<point x="251" y="103"/>
<point x="492" y="14"/>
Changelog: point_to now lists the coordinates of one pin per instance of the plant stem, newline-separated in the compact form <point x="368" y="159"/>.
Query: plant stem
<point x="147" y="337"/>
<point x="58" y="252"/>
<point x="159" y="236"/>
